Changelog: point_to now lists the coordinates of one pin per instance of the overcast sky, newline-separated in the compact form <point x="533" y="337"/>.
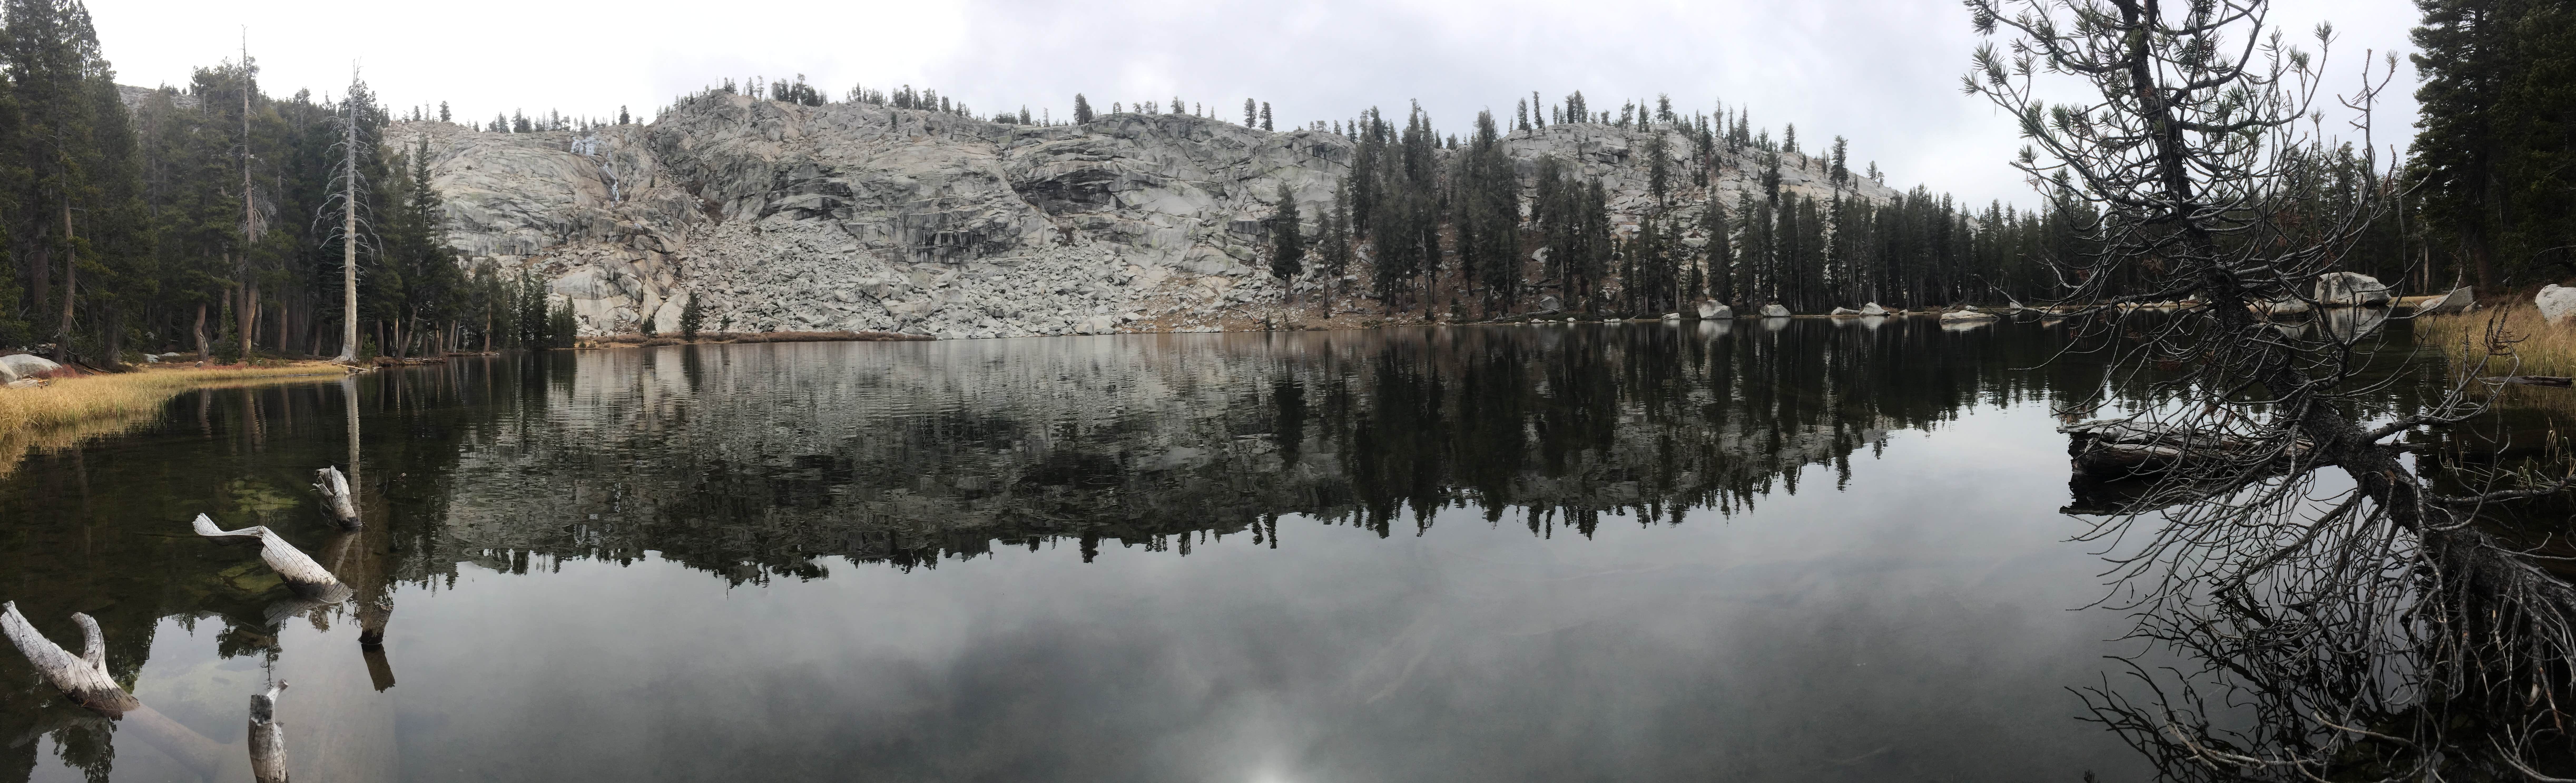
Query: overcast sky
<point x="1882" y="72"/>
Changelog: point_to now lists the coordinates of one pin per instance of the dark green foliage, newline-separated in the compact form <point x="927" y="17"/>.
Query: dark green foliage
<point x="2495" y="150"/>
<point x="692" y="316"/>
<point x="1265" y="115"/>
<point x="1287" y="239"/>
<point x="796" y="92"/>
<point x="1081" y="109"/>
<point x="560" y="329"/>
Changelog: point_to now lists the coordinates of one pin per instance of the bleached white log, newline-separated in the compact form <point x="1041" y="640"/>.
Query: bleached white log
<point x="336" y="498"/>
<point x="298" y="569"/>
<point x="82" y="677"/>
<point x="267" y="739"/>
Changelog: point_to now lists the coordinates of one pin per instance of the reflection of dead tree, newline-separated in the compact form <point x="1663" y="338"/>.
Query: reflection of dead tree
<point x="2365" y="624"/>
<point x="85" y="680"/>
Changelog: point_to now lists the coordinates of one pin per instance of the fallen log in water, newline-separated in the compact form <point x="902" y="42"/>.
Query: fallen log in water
<point x="2111" y="449"/>
<point x="336" y="498"/>
<point x="267" y="739"/>
<point x="2534" y="380"/>
<point x="84" y="679"/>
<point x="309" y="579"/>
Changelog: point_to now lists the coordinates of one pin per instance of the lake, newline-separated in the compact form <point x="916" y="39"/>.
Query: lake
<point x="1793" y="550"/>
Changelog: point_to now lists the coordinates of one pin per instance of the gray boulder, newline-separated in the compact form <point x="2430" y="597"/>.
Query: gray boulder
<point x="22" y="365"/>
<point x="1774" y="310"/>
<point x="1872" y="309"/>
<point x="1840" y="312"/>
<point x="2557" y="305"/>
<point x="2349" y="289"/>
<point x="2457" y="301"/>
<point x="1715" y="312"/>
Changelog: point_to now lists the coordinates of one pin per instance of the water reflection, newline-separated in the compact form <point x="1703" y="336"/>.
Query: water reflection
<point x="1772" y="549"/>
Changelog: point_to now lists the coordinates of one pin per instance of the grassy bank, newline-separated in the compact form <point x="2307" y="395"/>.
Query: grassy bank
<point x="70" y="410"/>
<point x="2512" y="340"/>
<point x="2509" y="340"/>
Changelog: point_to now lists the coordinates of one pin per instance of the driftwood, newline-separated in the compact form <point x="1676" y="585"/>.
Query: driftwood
<point x="267" y="738"/>
<point x="309" y="579"/>
<point x="2535" y="380"/>
<point x="2110" y="449"/>
<point x="336" y="498"/>
<point x="84" y="679"/>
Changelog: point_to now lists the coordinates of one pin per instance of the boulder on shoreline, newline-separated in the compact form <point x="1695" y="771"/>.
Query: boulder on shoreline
<point x="1774" y="310"/>
<point x="2557" y="304"/>
<point x="2350" y="289"/>
<point x="1872" y="309"/>
<point x="24" y="365"/>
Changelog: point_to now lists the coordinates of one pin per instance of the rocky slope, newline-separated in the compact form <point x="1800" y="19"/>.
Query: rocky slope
<point x="854" y="216"/>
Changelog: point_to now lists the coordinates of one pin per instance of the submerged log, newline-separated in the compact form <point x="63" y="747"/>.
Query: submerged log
<point x="309" y="579"/>
<point x="267" y="739"/>
<point x="336" y="498"/>
<point x="84" y="679"/>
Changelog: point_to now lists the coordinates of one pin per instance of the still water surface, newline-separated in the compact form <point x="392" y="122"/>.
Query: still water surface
<point x="1806" y="551"/>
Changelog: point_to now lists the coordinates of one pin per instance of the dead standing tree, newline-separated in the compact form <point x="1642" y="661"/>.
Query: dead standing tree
<point x="2350" y="620"/>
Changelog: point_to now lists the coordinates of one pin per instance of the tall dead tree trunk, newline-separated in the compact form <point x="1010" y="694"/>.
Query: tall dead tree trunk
<point x="349" y="233"/>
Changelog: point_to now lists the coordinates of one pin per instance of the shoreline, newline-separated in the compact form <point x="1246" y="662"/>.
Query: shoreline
<point x="68" y="410"/>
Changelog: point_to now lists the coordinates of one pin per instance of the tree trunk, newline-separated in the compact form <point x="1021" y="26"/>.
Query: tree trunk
<point x="85" y="680"/>
<point x="308" y="578"/>
<point x="71" y="283"/>
<point x="203" y="353"/>
<point x="267" y="738"/>
<point x="249" y="311"/>
<point x="336" y="499"/>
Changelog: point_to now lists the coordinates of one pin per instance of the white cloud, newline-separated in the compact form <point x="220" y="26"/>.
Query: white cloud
<point x="1881" y="73"/>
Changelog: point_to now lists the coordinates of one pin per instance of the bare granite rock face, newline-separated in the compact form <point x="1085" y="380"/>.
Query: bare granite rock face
<point x="852" y="216"/>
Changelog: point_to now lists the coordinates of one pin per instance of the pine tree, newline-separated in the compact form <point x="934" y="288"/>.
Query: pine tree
<point x="1658" y="167"/>
<point x="1265" y="115"/>
<point x="692" y="316"/>
<point x="1251" y="113"/>
<point x="1841" y="173"/>
<point x="1081" y="110"/>
<point x="1287" y="239"/>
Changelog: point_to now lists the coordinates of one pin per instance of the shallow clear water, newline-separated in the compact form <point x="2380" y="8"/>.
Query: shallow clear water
<point x="1806" y="551"/>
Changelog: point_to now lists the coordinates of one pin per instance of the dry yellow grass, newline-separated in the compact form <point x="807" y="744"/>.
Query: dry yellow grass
<point x="2528" y="345"/>
<point x="70" y="410"/>
<point x="2510" y="340"/>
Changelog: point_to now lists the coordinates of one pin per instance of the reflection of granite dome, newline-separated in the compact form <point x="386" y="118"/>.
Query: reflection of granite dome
<point x="903" y="452"/>
<point x="855" y="216"/>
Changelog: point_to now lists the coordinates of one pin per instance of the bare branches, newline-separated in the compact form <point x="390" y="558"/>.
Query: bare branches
<point x="2373" y="629"/>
